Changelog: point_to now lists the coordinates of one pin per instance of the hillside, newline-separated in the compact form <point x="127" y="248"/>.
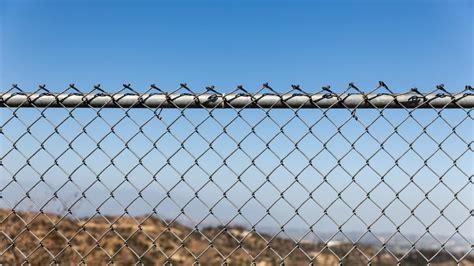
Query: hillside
<point x="100" y="240"/>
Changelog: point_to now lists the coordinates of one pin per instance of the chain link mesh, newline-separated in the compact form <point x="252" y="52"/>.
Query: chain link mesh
<point x="256" y="184"/>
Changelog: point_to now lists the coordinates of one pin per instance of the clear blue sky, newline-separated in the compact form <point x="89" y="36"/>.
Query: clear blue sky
<point x="405" y="43"/>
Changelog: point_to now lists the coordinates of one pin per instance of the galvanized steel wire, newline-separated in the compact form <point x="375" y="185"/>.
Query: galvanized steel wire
<point x="202" y="135"/>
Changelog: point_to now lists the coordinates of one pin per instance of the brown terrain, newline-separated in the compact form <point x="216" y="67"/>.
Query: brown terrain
<point x="40" y="238"/>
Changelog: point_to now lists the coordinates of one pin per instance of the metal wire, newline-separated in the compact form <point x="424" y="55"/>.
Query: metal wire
<point x="184" y="177"/>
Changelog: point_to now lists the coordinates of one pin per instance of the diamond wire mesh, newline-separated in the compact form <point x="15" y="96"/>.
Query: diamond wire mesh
<point x="238" y="185"/>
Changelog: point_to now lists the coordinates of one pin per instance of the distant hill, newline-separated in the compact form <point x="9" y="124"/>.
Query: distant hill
<point x="45" y="238"/>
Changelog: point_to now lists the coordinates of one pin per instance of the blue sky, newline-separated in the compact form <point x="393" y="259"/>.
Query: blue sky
<point x="405" y="43"/>
<point x="311" y="43"/>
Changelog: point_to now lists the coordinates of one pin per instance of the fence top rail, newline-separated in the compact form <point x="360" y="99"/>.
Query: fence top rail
<point x="237" y="100"/>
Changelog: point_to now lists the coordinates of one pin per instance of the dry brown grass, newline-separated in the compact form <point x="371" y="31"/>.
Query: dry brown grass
<point x="40" y="238"/>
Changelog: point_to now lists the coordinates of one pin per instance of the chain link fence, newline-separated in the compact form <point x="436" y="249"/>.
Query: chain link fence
<point x="264" y="177"/>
